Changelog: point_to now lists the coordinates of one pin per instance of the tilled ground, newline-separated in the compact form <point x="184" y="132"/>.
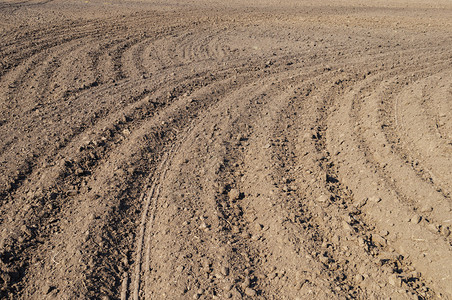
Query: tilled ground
<point x="185" y="150"/>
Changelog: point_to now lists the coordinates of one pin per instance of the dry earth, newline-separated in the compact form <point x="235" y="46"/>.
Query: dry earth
<point x="225" y="149"/>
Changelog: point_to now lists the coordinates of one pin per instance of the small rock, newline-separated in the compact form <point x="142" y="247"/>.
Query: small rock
<point x="384" y="232"/>
<point x="426" y="208"/>
<point x="394" y="280"/>
<point x="46" y="289"/>
<point x="234" y="194"/>
<point x="255" y="237"/>
<point x="360" y="203"/>
<point x="359" y="277"/>
<point x="347" y="226"/>
<point x="415" y="219"/>
<point x="324" y="259"/>
<point x="378" y="239"/>
<point x="335" y="239"/>
<point x="258" y="226"/>
<point x="415" y="274"/>
<point x="245" y="235"/>
<point x="246" y="282"/>
<point x="235" y="229"/>
<point x="250" y="292"/>
<point x="72" y="192"/>
<point x="432" y="228"/>
<point x="361" y="241"/>
<point x="224" y="270"/>
<point x="445" y="231"/>
<point x="179" y="269"/>
<point x="322" y="198"/>
<point x="198" y="294"/>
<point x="374" y="199"/>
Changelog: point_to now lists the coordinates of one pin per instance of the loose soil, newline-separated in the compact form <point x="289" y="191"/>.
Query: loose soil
<point x="214" y="150"/>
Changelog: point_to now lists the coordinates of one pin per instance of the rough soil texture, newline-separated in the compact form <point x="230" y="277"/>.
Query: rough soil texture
<point x="225" y="149"/>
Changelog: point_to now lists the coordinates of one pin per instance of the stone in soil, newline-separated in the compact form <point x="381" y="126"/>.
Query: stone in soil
<point x="426" y="208"/>
<point x="445" y="231"/>
<point x="250" y="292"/>
<point x="375" y="199"/>
<point x="234" y="194"/>
<point x="415" y="219"/>
<point x="225" y="270"/>
<point x="394" y="280"/>
<point x="322" y="198"/>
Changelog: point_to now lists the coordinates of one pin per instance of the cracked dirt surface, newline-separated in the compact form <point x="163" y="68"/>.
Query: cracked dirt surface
<point x="211" y="150"/>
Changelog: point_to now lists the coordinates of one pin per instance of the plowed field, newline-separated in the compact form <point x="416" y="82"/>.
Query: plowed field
<point x="215" y="150"/>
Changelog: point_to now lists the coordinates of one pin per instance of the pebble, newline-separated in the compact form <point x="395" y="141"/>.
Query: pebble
<point x="426" y="208"/>
<point x="384" y="232"/>
<point x="235" y="229"/>
<point x="46" y="289"/>
<point x="394" y="280"/>
<point x="378" y="239"/>
<point x="359" y="277"/>
<point x="258" y="226"/>
<point x="228" y="286"/>
<point x="415" y="219"/>
<point x="360" y="203"/>
<point x="224" y="270"/>
<point x="198" y="294"/>
<point x="250" y="292"/>
<point x="324" y="259"/>
<point x="245" y="235"/>
<point x="272" y="275"/>
<point x="72" y="192"/>
<point x="375" y="199"/>
<point x="415" y="274"/>
<point x="255" y="237"/>
<point x="322" y="198"/>
<point x="347" y="226"/>
<point x="79" y="172"/>
<point x="432" y="228"/>
<point x="361" y="241"/>
<point x="234" y="194"/>
<point x="445" y="231"/>
<point x="246" y="282"/>
<point x="335" y="239"/>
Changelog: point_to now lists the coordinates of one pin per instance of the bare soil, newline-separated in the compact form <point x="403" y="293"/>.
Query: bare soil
<point x="225" y="149"/>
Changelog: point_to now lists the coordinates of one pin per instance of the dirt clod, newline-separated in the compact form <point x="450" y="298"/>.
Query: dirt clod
<point x="250" y="292"/>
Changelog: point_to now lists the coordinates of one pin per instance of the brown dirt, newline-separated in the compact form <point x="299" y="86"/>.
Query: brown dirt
<point x="214" y="150"/>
